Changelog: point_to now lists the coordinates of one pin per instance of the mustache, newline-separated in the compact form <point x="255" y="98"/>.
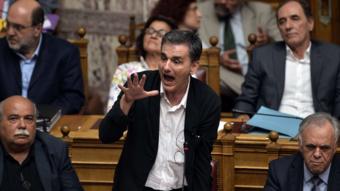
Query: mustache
<point x="21" y="132"/>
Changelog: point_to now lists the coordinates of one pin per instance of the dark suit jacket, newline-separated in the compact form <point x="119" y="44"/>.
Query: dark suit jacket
<point x="53" y="164"/>
<point x="140" y="148"/>
<point x="56" y="78"/>
<point x="264" y="82"/>
<point x="286" y="174"/>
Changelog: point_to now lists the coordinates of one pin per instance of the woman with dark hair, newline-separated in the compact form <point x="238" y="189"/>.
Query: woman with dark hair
<point x="148" y="45"/>
<point x="184" y="12"/>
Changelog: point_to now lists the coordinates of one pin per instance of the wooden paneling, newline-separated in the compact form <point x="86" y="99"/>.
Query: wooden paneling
<point x="242" y="159"/>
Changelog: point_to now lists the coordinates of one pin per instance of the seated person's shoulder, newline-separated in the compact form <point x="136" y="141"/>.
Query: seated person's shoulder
<point x="58" y="43"/>
<point x="286" y="160"/>
<point x="51" y="142"/>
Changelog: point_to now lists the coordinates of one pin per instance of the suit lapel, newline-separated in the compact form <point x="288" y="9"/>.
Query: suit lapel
<point x="154" y="111"/>
<point x="279" y="68"/>
<point x="334" y="174"/>
<point x="295" y="174"/>
<point x="38" y="68"/>
<point x="13" y="65"/>
<point x="42" y="164"/>
<point x="190" y="113"/>
<point x="315" y="68"/>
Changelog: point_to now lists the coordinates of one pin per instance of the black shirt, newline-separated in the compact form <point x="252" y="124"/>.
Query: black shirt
<point x="22" y="177"/>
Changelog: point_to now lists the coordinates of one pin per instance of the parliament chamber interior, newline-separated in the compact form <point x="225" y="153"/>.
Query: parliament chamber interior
<point x="105" y="34"/>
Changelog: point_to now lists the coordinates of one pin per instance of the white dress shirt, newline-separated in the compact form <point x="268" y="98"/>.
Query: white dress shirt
<point x="297" y="96"/>
<point x="167" y="172"/>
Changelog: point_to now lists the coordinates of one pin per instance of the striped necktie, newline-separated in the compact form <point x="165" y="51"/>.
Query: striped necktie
<point x="316" y="182"/>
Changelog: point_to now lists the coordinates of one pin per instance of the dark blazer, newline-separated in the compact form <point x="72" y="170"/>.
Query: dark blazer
<point x="264" y="82"/>
<point x="53" y="164"/>
<point x="56" y="78"/>
<point x="202" y="117"/>
<point x="286" y="173"/>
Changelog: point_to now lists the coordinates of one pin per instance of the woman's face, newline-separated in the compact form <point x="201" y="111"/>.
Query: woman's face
<point x="153" y="36"/>
<point x="192" y="18"/>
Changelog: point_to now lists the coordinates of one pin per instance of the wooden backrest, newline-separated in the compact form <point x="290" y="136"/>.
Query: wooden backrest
<point x="81" y="42"/>
<point x="209" y="60"/>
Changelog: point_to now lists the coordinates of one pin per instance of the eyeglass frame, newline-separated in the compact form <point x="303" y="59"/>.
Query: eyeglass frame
<point x="159" y="33"/>
<point x="16" y="27"/>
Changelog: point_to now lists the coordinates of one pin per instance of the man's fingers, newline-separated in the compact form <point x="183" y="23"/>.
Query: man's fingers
<point x="135" y="79"/>
<point x="260" y="30"/>
<point x="142" y="81"/>
<point x="230" y="51"/>
<point x="121" y="87"/>
<point x="152" y="93"/>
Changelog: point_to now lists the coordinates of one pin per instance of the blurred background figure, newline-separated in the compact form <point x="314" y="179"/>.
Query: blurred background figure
<point x="184" y="13"/>
<point x="148" y="45"/>
<point x="232" y="21"/>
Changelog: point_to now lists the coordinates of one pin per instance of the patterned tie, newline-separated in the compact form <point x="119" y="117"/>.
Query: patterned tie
<point x="229" y="40"/>
<point x="316" y="182"/>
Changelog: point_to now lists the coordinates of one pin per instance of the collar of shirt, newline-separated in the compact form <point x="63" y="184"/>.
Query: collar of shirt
<point x="308" y="175"/>
<point x="35" y="54"/>
<point x="183" y="102"/>
<point x="293" y="58"/>
<point x="29" y="157"/>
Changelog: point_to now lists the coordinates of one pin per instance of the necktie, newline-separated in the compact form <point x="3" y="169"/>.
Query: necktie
<point x="316" y="182"/>
<point x="229" y="40"/>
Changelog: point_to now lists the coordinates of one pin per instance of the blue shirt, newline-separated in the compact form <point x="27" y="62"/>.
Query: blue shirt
<point x="27" y="66"/>
<point x="307" y="180"/>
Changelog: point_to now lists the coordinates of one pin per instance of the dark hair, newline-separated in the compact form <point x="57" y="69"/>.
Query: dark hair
<point x="174" y="9"/>
<point x="303" y="3"/>
<point x="140" y="39"/>
<point x="189" y="38"/>
<point x="37" y="16"/>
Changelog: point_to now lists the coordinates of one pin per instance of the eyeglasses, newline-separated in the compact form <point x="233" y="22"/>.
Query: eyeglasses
<point x="159" y="33"/>
<point x="16" y="27"/>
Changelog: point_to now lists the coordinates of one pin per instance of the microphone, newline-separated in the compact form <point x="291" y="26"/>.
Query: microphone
<point x="186" y="149"/>
<point x="264" y="114"/>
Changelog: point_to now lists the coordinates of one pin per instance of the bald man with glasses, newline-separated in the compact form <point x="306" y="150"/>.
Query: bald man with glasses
<point x="38" y="66"/>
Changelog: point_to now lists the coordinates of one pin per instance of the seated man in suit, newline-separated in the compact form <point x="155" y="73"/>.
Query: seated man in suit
<point x="29" y="159"/>
<point x="172" y="121"/>
<point x="38" y="66"/>
<point x="316" y="167"/>
<point x="298" y="76"/>
<point x="232" y="21"/>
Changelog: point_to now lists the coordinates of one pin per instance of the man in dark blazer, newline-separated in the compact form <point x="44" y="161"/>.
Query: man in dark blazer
<point x="29" y="159"/>
<point x="316" y="163"/>
<point x="297" y="76"/>
<point x="172" y="122"/>
<point x="38" y="66"/>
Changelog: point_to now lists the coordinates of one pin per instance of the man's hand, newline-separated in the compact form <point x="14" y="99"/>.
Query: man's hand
<point x="261" y="37"/>
<point x="134" y="91"/>
<point x="228" y="62"/>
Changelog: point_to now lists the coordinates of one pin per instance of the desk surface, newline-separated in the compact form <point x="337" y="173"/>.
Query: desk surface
<point x="86" y="127"/>
<point x="81" y="126"/>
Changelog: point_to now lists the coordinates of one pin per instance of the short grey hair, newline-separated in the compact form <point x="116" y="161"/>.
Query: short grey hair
<point x="319" y="119"/>
<point x="2" y="109"/>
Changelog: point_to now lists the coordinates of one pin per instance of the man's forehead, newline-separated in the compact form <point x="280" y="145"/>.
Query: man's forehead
<point x="175" y="49"/>
<point x="289" y="9"/>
